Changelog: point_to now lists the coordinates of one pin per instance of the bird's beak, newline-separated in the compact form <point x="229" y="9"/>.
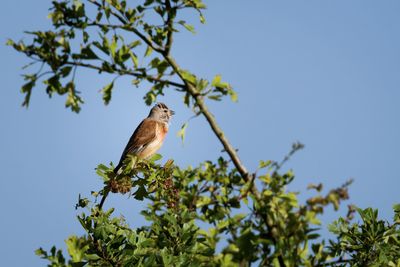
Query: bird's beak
<point x="171" y="112"/>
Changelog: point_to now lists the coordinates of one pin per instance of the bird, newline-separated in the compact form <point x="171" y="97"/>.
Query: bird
<point x="149" y="136"/>
<point x="145" y="140"/>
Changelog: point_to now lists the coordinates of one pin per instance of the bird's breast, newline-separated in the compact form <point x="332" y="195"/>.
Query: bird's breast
<point x="154" y="146"/>
<point x="163" y="130"/>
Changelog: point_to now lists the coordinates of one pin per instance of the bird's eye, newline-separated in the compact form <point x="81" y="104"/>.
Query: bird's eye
<point x="165" y="110"/>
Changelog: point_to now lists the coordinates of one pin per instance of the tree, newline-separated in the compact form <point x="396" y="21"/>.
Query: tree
<point x="217" y="214"/>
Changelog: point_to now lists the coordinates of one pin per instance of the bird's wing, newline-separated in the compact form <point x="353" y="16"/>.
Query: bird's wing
<point x="144" y="134"/>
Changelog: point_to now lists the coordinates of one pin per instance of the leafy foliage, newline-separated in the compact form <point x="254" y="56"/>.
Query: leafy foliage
<point x="99" y="37"/>
<point x="374" y="242"/>
<point x="216" y="214"/>
<point x="249" y="228"/>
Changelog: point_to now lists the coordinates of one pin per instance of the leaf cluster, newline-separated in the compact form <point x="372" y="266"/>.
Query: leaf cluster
<point x="110" y="37"/>
<point x="373" y="242"/>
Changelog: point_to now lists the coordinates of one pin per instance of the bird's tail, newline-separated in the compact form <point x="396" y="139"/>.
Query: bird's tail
<point x="107" y="189"/>
<point x="116" y="169"/>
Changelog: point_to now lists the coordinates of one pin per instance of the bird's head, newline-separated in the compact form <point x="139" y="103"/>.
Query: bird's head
<point x="161" y="112"/>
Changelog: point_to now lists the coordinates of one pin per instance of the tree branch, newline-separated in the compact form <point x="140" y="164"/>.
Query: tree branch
<point x="170" y="26"/>
<point x="339" y="261"/>
<point x="211" y="121"/>
<point x="128" y="72"/>
<point x="132" y="29"/>
<point x="106" y="190"/>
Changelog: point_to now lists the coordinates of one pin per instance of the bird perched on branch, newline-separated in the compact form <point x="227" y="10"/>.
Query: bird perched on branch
<point x="149" y="135"/>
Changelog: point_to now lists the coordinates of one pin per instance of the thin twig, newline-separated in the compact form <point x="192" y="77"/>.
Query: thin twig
<point x="295" y="147"/>
<point x="127" y="72"/>
<point x="103" y="198"/>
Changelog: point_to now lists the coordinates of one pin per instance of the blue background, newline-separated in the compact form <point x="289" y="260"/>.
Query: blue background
<point x="325" y="73"/>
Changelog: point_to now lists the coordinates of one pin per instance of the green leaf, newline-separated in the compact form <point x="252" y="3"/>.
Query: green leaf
<point x="216" y="81"/>
<point x="202" y="84"/>
<point x="87" y="53"/>
<point x="113" y="45"/>
<point x="148" y="52"/>
<point x="141" y="193"/>
<point x="182" y="132"/>
<point x="99" y="16"/>
<point x="202" y="19"/>
<point x="103" y="47"/>
<point x="188" y="76"/>
<point x="134" y="44"/>
<point x="10" y="42"/>
<point x="65" y="71"/>
<point x="102" y="171"/>
<point x="222" y="225"/>
<point x="73" y="100"/>
<point x="77" y="248"/>
<point x="155" y="157"/>
<point x="223" y="87"/>
<point x="189" y="27"/>
<point x="186" y="99"/>
<point x="215" y="97"/>
<point x="41" y="252"/>
<point x="233" y="95"/>
<point x="149" y="98"/>
<point x="264" y="164"/>
<point x="85" y="36"/>
<point x="134" y="59"/>
<point x="396" y="207"/>
<point x="107" y="92"/>
<point x="27" y="90"/>
<point x="202" y="201"/>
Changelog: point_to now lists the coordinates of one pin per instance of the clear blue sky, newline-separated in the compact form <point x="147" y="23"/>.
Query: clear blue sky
<point x="326" y="73"/>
